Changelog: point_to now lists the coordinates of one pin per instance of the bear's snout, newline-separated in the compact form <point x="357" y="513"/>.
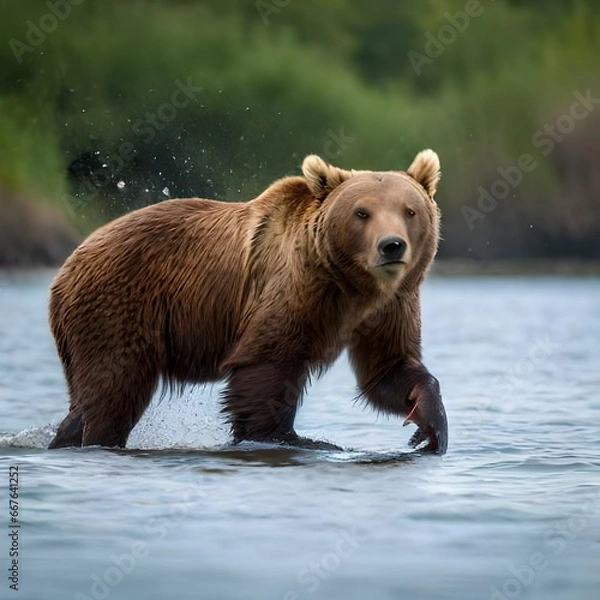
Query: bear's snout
<point x="391" y="249"/>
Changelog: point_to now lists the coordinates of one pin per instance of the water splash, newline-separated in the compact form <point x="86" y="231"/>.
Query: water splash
<point x="189" y="421"/>
<point x="32" y="437"/>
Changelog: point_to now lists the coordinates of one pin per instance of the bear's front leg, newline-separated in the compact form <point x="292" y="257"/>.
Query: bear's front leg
<point x="407" y="388"/>
<point x="261" y="401"/>
<point x="386" y="355"/>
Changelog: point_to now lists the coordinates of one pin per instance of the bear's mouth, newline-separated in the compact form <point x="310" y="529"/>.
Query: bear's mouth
<point x="390" y="267"/>
<point x="389" y="270"/>
<point x="385" y="263"/>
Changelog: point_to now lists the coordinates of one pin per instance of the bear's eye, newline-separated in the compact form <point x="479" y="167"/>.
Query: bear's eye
<point x="362" y="214"/>
<point x="410" y="212"/>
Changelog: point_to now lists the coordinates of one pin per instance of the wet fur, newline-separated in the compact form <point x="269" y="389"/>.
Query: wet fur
<point x="193" y="290"/>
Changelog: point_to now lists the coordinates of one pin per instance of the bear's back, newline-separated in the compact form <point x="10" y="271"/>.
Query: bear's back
<point x="168" y="276"/>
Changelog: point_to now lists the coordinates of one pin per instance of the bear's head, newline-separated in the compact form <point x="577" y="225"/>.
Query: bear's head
<point x="378" y="226"/>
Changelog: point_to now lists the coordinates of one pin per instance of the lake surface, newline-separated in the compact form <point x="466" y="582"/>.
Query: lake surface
<point x="512" y="510"/>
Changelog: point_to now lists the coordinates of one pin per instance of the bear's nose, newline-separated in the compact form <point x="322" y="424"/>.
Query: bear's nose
<point x="391" y="247"/>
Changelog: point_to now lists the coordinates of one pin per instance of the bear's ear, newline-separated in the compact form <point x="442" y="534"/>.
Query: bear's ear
<point x="425" y="169"/>
<point x="321" y="177"/>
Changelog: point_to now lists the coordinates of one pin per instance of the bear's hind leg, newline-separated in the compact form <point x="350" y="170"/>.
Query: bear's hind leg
<point x="109" y="417"/>
<point x="70" y="431"/>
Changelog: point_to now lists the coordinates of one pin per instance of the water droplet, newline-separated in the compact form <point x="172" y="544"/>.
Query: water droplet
<point x="121" y="185"/>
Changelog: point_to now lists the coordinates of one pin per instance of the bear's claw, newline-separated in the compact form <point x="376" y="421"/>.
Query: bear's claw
<point x="429" y="415"/>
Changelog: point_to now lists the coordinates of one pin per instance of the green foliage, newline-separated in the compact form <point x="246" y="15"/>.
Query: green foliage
<point x="123" y="100"/>
<point x="32" y="162"/>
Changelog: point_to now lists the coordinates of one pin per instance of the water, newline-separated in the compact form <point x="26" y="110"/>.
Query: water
<point x="513" y="509"/>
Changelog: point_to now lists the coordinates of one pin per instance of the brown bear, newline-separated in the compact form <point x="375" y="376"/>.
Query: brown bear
<point x="261" y="294"/>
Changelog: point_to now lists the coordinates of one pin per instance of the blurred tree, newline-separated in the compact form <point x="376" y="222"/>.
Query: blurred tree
<point x="120" y="104"/>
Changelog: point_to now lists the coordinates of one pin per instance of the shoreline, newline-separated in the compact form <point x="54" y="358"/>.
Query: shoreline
<point x="441" y="268"/>
<point x="33" y="233"/>
<point x="535" y="267"/>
